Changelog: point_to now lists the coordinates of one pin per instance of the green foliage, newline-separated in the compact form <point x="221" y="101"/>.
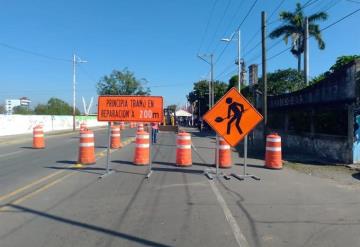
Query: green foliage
<point x="172" y="108"/>
<point x="121" y="83"/>
<point x="283" y="81"/>
<point x="340" y="62"/>
<point x="200" y="94"/>
<point x="22" y="110"/>
<point x="55" y="106"/>
<point x="2" y="109"/>
<point x="233" y="82"/>
<point x="293" y="27"/>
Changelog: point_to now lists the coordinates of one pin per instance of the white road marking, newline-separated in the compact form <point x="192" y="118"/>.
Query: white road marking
<point x="8" y="154"/>
<point x="240" y="238"/>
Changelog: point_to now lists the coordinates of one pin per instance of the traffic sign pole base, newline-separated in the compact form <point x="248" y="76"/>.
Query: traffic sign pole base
<point x="149" y="174"/>
<point x="243" y="177"/>
<point x="106" y="174"/>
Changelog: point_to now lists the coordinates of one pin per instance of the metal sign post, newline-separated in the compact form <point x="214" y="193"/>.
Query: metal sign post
<point x="245" y="174"/>
<point x="108" y="171"/>
<point x="150" y="157"/>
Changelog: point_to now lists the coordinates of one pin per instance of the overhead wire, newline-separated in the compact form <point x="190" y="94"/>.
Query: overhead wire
<point x="207" y="24"/>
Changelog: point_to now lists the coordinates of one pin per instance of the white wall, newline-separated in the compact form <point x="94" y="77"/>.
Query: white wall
<point x="22" y="124"/>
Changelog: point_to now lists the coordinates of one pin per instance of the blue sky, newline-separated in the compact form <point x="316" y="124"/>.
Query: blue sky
<point x="157" y="39"/>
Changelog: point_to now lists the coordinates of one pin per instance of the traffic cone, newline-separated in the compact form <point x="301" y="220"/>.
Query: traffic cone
<point x="273" y="159"/>
<point x="83" y="126"/>
<point x="115" y="137"/>
<point x="38" y="137"/>
<point x="224" y="154"/>
<point x="140" y="127"/>
<point x="86" y="148"/>
<point x="183" y="149"/>
<point x="142" y="148"/>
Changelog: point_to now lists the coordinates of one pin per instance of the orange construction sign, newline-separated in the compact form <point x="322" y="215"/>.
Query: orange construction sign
<point x="132" y="108"/>
<point x="233" y="117"/>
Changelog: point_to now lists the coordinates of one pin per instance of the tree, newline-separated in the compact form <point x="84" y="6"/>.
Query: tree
<point x="22" y="110"/>
<point x="283" y="81"/>
<point x="2" y="109"/>
<point x="200" y="94"/>
<point x="293" y="28"/>
<point x="172" y="108"/>
<point x="233" y="82"/>
<point x="121" y="83"/>
<point x="55" y="106"/>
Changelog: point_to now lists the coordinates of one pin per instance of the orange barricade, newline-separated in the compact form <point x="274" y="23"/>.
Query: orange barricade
<point x="122" y="125"/>
<point x="183" y="149"/>
<point x="83" y="126"/>
<point x="38" y="137"/>
<point x="273" y="152"/>
<point x="115" y="137"/>
<point x="142" y="148"/>
<point x="224" y="154"/>
<point x="86" y="148"/>
<point x="140" y="127"/>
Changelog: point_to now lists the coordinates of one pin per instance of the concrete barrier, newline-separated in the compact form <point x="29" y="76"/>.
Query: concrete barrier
<point x="23" y="124"/>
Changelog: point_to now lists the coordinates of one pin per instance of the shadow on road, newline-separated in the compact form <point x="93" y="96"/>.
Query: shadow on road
<point x="91" y="227"/>
<point x="356" y="175"/>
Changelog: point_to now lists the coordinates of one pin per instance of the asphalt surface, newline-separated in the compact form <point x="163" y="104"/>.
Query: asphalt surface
<point x="46" y="202"/>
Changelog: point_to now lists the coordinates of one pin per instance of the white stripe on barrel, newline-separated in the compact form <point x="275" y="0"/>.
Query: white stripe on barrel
<point x="142" y="137"/>
<point x="183" y="137"/>
<point x="142" y="145"/>
<point x="115" y="135"/>
<point x="87" y="144"/>
<point x="183" y="146"/>
<point x="274" y="149"/>
<point x="86" y="135"/>
<point x="38" y="135"/>
<point x="269" y="139"/>
<point x="224" y="147"/>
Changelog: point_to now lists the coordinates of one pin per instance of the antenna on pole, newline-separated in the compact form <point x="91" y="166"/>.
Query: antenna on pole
<point x="87" y="108"/>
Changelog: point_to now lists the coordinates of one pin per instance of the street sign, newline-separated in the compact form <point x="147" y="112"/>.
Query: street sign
<point x="130" y="108"/>
<point x="233" y="117"/>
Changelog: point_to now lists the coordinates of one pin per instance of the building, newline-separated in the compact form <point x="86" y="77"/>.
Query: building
<point x="11" y="103"/>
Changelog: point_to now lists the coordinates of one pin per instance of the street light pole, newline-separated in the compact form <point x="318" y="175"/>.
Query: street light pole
<point x="211" y="83"/>
<point x="75" y="61"/>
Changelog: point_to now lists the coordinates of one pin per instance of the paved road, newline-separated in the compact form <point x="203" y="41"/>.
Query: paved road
<point x="175" y="207"/>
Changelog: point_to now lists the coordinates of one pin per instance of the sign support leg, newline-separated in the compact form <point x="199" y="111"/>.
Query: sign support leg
<point x="150" y="158"/>
<point x="245" y="174"/>
<point x="108" y="171"/>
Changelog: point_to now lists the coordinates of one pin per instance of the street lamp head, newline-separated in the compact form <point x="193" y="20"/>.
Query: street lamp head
<point x="226" y="39"/>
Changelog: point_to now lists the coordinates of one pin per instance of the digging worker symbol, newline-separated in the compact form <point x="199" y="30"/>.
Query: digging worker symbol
<point x="237" y="110"/>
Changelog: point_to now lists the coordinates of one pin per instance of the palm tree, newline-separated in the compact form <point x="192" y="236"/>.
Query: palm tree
<point x="293" y="27"/>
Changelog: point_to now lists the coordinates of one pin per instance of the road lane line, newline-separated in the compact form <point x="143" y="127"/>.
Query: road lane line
<point x="240" y="238"/>
<point x="35" y="192"/>
<point x="8" y="154"/>
<point x="40" y="180"/>
<point x="21" y="189"/>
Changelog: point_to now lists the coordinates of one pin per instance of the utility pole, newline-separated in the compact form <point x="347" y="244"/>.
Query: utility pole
<point x="75" y="61"/>
<point x="264" y="75"/>
<point x="238" y="62"/>
<point x="211" y="83"/>
<point x="74" y="89"/>
<point x="306" y="51"/>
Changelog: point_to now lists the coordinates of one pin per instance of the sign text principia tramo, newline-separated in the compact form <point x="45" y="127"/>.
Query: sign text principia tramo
<point x="130" y="108"/>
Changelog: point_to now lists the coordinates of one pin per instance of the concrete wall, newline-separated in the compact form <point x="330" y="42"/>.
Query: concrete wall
<point x="22" y="124"/>
<point x="327" y="147"/>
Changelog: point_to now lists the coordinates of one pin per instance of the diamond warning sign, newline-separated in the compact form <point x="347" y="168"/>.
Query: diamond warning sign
<point x="233" y="117"/>
<point x="130" y="108"/>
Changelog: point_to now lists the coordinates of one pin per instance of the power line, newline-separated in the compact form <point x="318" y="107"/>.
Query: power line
<point x="276" y="9"/>
<point x="207" y="24"/>
<point x="218" y="25"/>
<point x="242" y="22"/>
<point x="34" y="53"/>
<point x="323" y="29"/>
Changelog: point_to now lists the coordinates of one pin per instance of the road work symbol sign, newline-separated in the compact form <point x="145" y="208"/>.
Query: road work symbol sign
<point x="233" y="117"/>
<point x="130" y="108"/>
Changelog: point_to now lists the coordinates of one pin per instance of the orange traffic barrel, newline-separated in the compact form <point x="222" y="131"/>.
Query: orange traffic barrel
<point x="122" y="125"/>
<point x="83" y="126"/>
<point x="140" y="127"/>
<point x="38" y="137"/>
<point x="87" y="148"/>
<point x="183" y="149"/>
<point x="115" y="137"/>
<point x="273" y="152"/>
<point x="131" y="125"/>
<point x="225" y="160"/>
<point x="142" y="148"/>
